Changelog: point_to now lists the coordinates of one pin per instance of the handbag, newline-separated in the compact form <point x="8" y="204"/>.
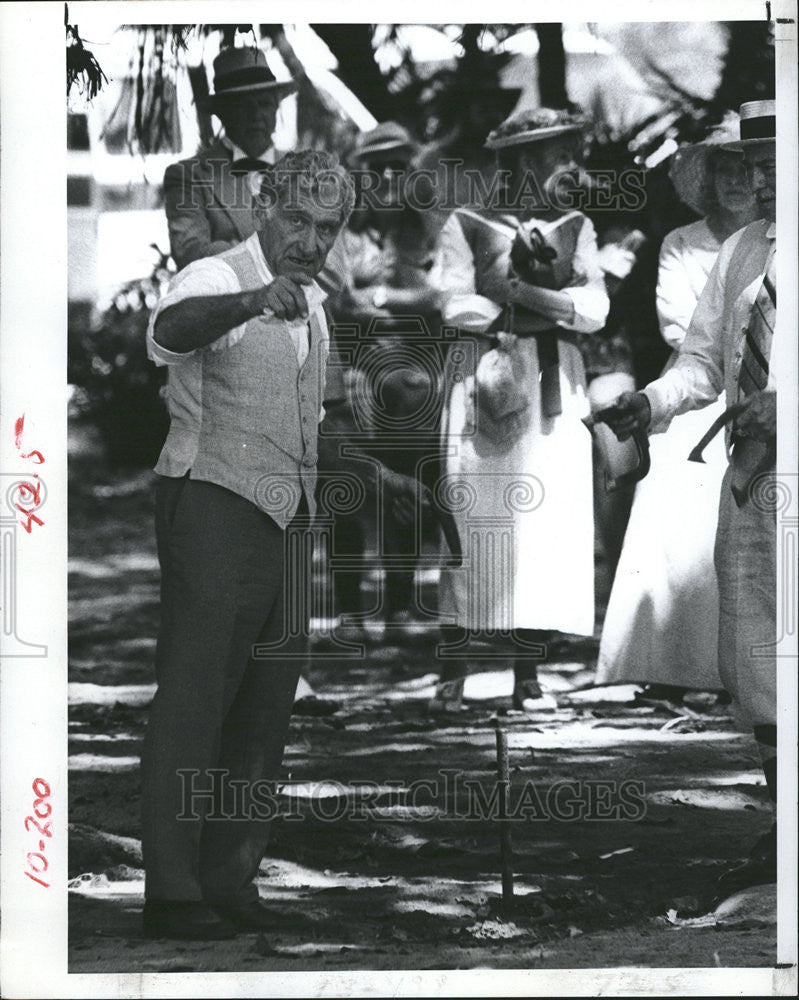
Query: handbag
<point x="501" y="397"/>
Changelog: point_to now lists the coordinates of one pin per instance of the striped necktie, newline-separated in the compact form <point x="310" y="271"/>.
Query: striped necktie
<point x="750" y="458"/>
<point x="753" y="376"/>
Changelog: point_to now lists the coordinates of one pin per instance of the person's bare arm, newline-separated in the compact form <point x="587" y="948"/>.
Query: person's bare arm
<point x="199" y="320"/>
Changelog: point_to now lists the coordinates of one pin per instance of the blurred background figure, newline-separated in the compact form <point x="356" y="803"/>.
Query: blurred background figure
<point x="524" y="282"/>
<point x="468" y="109"/>
<point x="609" y="371"/>
<point x="389" y="255"/>
<point x="395" y="380"/>
<point x="662" y="619"/>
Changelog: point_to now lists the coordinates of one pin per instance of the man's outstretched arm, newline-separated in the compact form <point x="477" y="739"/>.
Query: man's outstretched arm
<point x="199" y="320"/>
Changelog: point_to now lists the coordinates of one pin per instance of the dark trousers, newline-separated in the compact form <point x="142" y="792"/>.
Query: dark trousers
<point x="397" y="540"/>
<point x="217" y="708"/>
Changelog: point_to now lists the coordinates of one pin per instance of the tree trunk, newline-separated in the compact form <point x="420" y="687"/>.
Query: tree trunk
<point x="315" y="113"/>
<point x="199" y="88"/>
<point x="551" y="66"/>
<point x="351" y="44"/>
<point x="748" y="73"/>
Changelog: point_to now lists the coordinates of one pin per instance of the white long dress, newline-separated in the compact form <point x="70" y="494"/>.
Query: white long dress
<point x="524" y="516"/>
<point x="661" y="624"/>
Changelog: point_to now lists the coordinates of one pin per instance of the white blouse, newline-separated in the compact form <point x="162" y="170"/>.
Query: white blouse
<point x="687" y="256"/>
<point x="454" y="276"/>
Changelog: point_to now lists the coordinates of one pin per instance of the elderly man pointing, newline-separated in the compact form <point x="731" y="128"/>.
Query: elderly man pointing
<point x="245" y="338"/>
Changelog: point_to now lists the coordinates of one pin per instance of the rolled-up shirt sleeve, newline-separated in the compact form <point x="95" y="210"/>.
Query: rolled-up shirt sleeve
<point x="590" y="297"/>
<point x="697" y="377"/>
<point x="208" y="276"/>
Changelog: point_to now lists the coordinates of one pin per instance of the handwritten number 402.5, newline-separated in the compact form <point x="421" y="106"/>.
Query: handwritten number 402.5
<point x="33" y="489"/>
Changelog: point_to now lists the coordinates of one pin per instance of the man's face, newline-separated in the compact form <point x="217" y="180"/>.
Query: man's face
<point x="249" y="120"/>
<point x="761" y="168"/>
<point x="296" y="235"/>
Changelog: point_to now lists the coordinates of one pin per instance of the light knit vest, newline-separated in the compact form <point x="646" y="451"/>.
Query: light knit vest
<point x="260" y="411"/>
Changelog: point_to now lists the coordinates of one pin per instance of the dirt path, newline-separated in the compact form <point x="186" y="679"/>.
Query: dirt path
<point x="389" y="857"/>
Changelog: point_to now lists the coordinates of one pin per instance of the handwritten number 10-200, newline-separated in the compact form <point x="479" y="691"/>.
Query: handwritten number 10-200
<point x="41" y="809"/>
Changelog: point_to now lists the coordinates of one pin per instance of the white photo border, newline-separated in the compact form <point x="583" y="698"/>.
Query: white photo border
<point x="33" y="708"/>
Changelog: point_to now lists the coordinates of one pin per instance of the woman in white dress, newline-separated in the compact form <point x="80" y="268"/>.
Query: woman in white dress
<point x="518" y="467"/>
<point x="662" y="619"/>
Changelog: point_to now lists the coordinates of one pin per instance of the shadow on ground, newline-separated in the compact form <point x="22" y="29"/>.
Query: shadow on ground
<point x="387" y="855"/>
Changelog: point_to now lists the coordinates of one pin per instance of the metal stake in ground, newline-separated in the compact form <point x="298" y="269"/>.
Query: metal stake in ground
<point x="505" y="845"/>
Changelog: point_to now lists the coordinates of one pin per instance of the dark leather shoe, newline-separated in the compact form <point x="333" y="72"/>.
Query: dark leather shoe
<point x="528" y="697"/>
<point x="254" y="916"/>
<point x="184" y="921"/>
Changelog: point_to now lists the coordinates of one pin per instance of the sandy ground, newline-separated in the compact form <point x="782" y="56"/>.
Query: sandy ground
<point x="370" y="869"/>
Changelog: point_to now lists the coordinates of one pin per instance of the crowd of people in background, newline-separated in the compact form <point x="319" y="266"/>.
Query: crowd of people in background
<point x="482" y="431"/>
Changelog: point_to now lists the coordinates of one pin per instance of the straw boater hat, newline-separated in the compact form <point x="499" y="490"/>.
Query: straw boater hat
<point x="239" y="71"/>
<point x="690" y="169"/>
<point x="758" y="124"/>
<point x="532" y="126"/>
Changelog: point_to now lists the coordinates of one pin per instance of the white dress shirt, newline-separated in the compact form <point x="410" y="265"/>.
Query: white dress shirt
<point x="710" y="356"/>
<point x="212" y="276"/>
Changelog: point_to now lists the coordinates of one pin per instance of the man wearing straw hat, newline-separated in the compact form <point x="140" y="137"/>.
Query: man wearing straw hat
<point x="728" y="346"/>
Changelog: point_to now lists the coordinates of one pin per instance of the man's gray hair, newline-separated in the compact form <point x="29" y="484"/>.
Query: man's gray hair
<point x="313" y="172"/>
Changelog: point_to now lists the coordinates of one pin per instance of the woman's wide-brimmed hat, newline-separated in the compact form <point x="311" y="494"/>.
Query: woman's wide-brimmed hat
<point x="242" y="71"/>
<point x="529" y="126"/>
<point x="691" y="165"/>
<point x="758" y="124"/>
